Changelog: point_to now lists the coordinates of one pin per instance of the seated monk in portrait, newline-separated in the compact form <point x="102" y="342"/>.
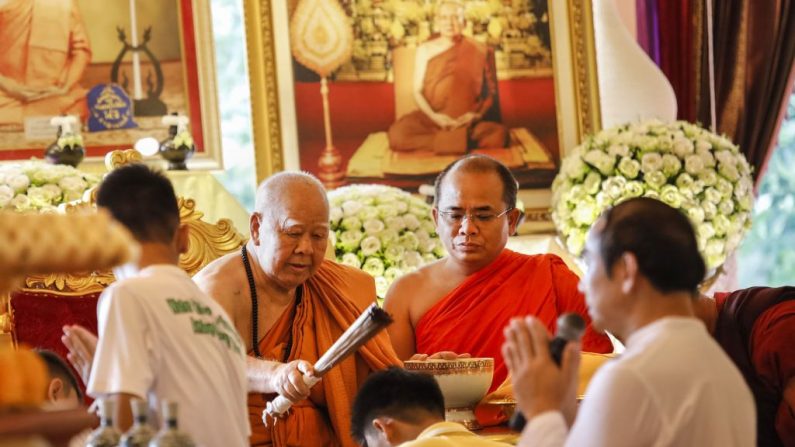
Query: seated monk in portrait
<point x="460" y="303"/>
<point x="455" y="86"/>
<point x="290" y="305"/>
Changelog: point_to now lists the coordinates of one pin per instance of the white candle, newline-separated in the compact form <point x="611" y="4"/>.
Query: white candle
<point x="137" y="92"/>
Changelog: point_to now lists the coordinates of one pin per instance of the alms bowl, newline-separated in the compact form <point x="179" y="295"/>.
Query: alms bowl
<point x="464" y="382"/>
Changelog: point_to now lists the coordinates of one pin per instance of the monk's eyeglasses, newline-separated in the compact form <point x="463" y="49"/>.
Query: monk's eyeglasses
<point x="457" y="217"/>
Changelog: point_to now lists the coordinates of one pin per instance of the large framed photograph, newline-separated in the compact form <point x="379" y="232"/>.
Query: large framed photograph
<point x="118" y="65"/>
<point x="518" y="83"/>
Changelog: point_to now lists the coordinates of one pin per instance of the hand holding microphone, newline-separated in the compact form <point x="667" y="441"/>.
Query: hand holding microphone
<point x="543" y="371"/>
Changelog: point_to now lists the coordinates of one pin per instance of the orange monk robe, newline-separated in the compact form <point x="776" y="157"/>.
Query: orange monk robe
<point x="39" y="38"/>
<point x="471" y="318"/>
<point x="460" y="80"/>
<point x="332" y="299"/>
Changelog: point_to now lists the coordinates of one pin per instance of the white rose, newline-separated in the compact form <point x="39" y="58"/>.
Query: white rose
<point x="394" y="253"/>
<point x="335" y="214"/>
<point x="721" y="224"/>
<point x="712" y="195"/>
<point x="21" y="202"/>
<point x="388" y="236"/>
<point x="683" y="147"/>
<point x="350" y="259"/>
<point x="351" y="207"/>
<point x="705" y="230"/>
<point x="696" y="214"/>
<point x="703" y="145"/>
<point x="585" y="213"/>
<point x="601" y="161"/>
<point x="651" y="162"/>
<point x="73" y="183"/>
<point x="370" y="246"/>
<point x="592" y="182"/>
<point x="19" y="183"/>
<point x="576" y="242"/>
<point x="396" y="223"/>
<point x="710" y="209"/>
<point x="349" y="240"/>
<point x="422" y="235"/>
<point x="351" y="223"/>
<point x="708" y="176"/>
<point x="628" y="167"/>
<point x="694" y="164"/>
<point x="573" y="167"/>
<point x="373" y="226"/>
<point x="373" y="266"/>
<point x="614" y="186"/>
<point x="671" y="165"/>
<point x="655" y="179"/>
<point x="670" y="195"/>
<point x="411" y="221"/>
<point x="729" y="171"/>
<point x="409" y="241"/>
<point x="368" y="212"/>
<point x="618" y="150"/>
<point x="381" y="286"/>
<point x="427" y="246"/>
<point x="387" y="211"/>
<point x="411" y="260"/>
<point x="401" y="206"/>
<point x="707" y="158"/>
<point x="6" y="194"/>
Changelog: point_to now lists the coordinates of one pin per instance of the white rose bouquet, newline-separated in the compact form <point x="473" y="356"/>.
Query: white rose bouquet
<point x="382" y="230"/>
<point x="38" y="186"/>
<point x="680" y="163"/>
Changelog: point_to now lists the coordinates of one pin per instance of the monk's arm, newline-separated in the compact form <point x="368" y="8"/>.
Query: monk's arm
<point x="401" y="331"/>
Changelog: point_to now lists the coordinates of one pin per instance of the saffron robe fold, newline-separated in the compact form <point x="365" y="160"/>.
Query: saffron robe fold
<point x="470" y="319"/>
<point x="332" y="300"/>
<point x="756" y="328"/>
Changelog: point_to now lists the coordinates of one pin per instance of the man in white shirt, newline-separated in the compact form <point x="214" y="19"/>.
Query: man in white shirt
<point x="673" y="385"/>
<point x="160" y="337"/>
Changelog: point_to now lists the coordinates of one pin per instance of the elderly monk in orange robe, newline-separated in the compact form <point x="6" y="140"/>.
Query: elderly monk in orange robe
<point x="454" y="87"/>
<point x="290" y="305"/>
<point x="45" y="51"/>
<point x="461" y="302"/>
<point x="756" y="328"/>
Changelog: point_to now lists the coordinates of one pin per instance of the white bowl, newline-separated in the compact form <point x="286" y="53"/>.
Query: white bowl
<point x="464" y="382"/>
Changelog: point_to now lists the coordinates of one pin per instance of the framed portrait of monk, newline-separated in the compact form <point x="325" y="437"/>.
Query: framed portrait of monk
<point x="117" y="65"/>
<point x="415" y="84"/>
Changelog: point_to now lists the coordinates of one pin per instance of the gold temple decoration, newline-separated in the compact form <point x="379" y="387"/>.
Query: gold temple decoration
<point x="321" y="39"/>
<point x="207" y="241"/>
<point x="119" y="158"/>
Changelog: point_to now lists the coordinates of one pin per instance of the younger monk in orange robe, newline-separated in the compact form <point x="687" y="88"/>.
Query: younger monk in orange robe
<point x="289" y="306"/>
<point x="467" y="320"/>
<point x="462" y="302"/>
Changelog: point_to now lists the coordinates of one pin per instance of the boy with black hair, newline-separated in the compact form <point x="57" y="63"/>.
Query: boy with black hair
<point x="63" y="392"/>
<point x="398" y="407"/>
<point x="160" y="337"/>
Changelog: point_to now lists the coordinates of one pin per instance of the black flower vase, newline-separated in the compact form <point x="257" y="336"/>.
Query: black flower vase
<point x="70" y="155"/>
<point x="175" y="155"/>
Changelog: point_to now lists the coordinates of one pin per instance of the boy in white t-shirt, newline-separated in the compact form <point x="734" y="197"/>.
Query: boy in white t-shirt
<point x="160" y="337"/>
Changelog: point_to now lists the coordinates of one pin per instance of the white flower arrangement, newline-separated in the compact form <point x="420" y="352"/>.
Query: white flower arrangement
<point x="681" y="164"/>
<point x="39" y="186"/>
<point x="382" y="230"/>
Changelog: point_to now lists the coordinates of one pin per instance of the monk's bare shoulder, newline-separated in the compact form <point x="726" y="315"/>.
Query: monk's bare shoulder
<point x="224" y="280"/>
<point x="412" y="288"/>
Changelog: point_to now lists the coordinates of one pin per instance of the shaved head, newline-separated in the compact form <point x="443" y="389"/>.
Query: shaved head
<point x="480" y="164"/>
<point x="290" y="228"/>
<point x="283" y="188"/>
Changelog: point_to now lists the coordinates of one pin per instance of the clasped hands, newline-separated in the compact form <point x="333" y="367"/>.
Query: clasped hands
<point x="539" y="384"/>
<point x="27" y="93"/>
<point x="447" y="122"/>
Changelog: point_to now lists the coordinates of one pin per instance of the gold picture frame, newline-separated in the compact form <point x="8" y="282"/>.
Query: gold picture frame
<point x="183" y="74"/>
<point x="273" y="95"/>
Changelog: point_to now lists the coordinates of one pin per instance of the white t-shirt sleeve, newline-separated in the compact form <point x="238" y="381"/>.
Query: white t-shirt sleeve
<point x="123" y="359"/>
<point x="545" y="430"/>
<point x="618" y="410"/>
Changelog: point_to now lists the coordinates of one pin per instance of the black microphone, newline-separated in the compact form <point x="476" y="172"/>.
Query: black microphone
<point x="570" y="328"/>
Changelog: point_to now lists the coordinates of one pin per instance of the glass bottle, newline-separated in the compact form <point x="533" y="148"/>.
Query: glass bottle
<point x="106" y="434"/>
<point x="141" y="432"/>
<point x="169" y="435"/>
